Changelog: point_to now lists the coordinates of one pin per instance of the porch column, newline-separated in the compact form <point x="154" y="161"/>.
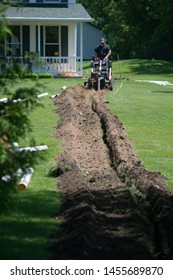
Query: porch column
<point x="39" y="40"/>
<point x="81" y="48"/>
<point x="32" y="38"/>
<point x="75" y="45"/>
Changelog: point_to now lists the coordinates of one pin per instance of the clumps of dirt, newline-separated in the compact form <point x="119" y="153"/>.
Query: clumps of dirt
<point x="112" y="208"/>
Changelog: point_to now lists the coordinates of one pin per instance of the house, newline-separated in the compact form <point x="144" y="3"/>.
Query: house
<point x="91" y="38"/>
<point x="46" y="31"/>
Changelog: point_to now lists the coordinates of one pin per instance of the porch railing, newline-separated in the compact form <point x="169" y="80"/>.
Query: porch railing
<point x="58" y="66"/>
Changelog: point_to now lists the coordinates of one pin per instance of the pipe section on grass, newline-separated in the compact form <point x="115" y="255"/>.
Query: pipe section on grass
<point x="33" y="149"/>
<point x="23" y="184"/>
<point x="6" y="100"/>
<point x="8" y="178"/>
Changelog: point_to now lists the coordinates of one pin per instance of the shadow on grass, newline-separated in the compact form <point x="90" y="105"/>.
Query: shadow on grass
<point x="26" y="233"/>
<point x="140" y="67"/>
<point x="87" y="65"/>
<point x="163" y="91"/>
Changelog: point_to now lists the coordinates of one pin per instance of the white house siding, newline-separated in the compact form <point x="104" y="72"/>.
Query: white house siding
<point x="91" y="38"/>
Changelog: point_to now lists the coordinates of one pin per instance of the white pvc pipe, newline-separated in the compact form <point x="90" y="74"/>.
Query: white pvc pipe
<point x="33" y="149"/>
<point x="55" y="95"/>
<point x="19" y="100"/>
<point x="26" y="179"/>
<point x="8" y="178"/>
<point x="42" y="94"/>
<point x="5" y="100"/>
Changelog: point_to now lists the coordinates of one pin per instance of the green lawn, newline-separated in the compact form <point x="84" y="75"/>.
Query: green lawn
<point x="26" y="229"/>
<point x="146" y="112"/>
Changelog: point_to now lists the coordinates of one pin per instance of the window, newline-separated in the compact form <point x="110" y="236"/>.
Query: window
<point x="19" y="1"/>
<point x="13" y="42"/>
<point x="51" y="40"/>
<point x="52" y="1"/>
<point x="39" y="1"/>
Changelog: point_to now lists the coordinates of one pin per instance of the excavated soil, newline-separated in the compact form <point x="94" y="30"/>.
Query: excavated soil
<point x="111" y="207"/>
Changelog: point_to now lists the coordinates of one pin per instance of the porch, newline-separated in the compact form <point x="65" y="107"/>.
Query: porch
<point x="57" y="66"/>
<point x="49" y="33"/>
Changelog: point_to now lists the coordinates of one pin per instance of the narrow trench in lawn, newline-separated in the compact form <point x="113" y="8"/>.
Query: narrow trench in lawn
<point x="111" y="207"/>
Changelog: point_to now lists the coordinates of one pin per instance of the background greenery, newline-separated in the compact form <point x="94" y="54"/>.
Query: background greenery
<point x="135" y="28"/>
<point x="146" y="112"/>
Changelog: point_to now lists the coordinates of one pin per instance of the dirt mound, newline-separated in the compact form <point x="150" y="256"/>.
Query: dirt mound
<point x="112" y="208"/>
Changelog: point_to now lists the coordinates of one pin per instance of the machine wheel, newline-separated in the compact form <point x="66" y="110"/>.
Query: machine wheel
<point x="111" y="86"/>
<point x="95" y="85"/>
<point x="102" y="84"/>
<point x="89" y="84"/>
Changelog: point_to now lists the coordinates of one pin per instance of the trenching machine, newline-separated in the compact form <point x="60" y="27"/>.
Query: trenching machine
<point x="101" y="75"/>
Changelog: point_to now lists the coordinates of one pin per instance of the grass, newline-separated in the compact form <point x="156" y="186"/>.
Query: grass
<point x="146" y="112"/>
<point x="26" y="228"/>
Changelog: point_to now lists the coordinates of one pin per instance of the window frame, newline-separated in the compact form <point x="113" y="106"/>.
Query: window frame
<point x="13" y="46"/>
<point x="48" y="44"/>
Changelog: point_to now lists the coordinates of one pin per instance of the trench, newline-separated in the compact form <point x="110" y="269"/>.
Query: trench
<point x="148" y="189"/>
<point x="113" y="209"/>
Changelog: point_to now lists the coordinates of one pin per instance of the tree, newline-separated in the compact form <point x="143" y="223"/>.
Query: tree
<point x="14" y="125"/>
<point x="162" y="40"/>
<point x="136" y="28"/>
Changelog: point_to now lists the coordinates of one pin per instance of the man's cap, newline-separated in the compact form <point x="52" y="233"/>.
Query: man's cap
<point x="102" y="39"/>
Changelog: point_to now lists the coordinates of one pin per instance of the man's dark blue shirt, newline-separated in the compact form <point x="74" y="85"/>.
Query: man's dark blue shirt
<point x="102" y="51"/>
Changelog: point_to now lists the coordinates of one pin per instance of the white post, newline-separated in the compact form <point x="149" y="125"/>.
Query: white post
<point x="21" y="43"/>
<point x="81" y="48"/>
<point x="75" y="47"/>
<point x="32" y="38"/>
<point x="39" y="39"/>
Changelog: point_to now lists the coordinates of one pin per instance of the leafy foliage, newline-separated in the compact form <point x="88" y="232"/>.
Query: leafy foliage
<point x="14" y="124"/>
<point x="136" y="28"/>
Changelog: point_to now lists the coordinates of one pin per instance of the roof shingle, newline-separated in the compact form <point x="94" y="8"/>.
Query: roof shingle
<point x="74" y="12"/>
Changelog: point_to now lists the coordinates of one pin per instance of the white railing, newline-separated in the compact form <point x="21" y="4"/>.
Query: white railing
<point x="58" y="66"/>
<point x="61" y="65"/>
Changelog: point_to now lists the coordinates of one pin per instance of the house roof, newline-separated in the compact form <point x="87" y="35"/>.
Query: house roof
<point x="73" y="12"/>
